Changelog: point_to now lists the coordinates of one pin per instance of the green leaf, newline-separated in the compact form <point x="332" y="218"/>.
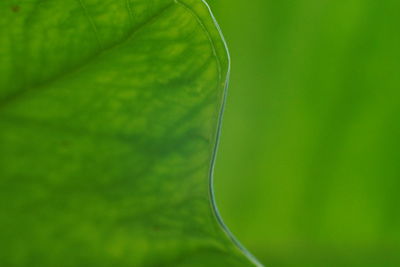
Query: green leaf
<point x="109" y="116"/>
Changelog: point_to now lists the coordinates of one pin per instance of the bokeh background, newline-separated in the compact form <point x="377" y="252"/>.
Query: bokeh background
<point x="308" y="170"/>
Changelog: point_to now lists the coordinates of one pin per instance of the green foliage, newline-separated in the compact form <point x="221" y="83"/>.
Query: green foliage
<point x="109" y="115"/>
<point x="308" y="172"/>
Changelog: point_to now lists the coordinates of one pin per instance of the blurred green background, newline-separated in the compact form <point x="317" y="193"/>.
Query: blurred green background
<point x="308" y="171"/>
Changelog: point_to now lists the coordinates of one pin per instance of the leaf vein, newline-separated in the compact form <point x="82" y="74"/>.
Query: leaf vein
<point x="11" y="98"/>
<point x="92" y="23"/>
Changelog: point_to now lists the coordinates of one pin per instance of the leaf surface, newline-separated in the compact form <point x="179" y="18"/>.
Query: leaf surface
<point x="109" y="116"/>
